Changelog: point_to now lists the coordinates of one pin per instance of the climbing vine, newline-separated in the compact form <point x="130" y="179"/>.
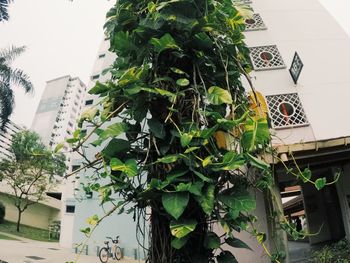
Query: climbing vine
<point x="178" y="132"/>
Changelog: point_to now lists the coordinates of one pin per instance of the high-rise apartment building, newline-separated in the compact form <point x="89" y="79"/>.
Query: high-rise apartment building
<point x="59" y="108"/>
<point x="6" y="139"/>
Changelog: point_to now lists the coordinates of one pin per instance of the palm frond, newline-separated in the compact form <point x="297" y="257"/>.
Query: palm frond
<point x="6" y="103"/>
<point x="4" y="15"/>
<point x="18" y="77"/>
<point x="9" y="54"/>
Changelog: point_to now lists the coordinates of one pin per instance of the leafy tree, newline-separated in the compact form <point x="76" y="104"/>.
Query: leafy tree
<point x="4" y="15"/>
<point x="28" y="174"/>
<point x="179" y="132"/>
<point x="10" y="77"/>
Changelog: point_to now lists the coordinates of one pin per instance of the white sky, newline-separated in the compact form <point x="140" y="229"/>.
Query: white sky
<point x="62" y="38"/>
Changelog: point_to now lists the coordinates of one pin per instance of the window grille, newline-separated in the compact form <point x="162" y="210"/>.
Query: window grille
<point x="254" y="23"/>
<point x="286" y="110"/>
<point x="266" y="57"/>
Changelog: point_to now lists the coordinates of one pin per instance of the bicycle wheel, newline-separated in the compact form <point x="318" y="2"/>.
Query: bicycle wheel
<point x="118" y="253"/>
<point x="104" y="255"/>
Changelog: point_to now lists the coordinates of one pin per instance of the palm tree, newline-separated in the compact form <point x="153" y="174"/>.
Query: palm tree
<point x="8" y="78"/>
<point x="4" y="15"/>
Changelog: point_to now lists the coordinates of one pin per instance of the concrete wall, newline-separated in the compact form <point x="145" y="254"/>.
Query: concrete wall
<point x="343" y="188"/>
<point x="114" y="225"/>
<point x="37" y="215"/>
<point x="257" y="254"/>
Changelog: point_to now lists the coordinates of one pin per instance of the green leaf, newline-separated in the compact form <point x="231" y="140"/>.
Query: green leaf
<point x="206" y="133"/>
<point x="182" y="228"/>
<point x="89" y="114"/>
<point x="206" y="200"/>
<point x="72" y="140"/>
<point x="194" y="188"/>
<point x="169" y="158"/>
<point x="175" y="203"/>
<point x="174" y="174"/>
<point x="306" y="175"/>
<point x="177" y="71"/>
<point x="99" y="88"/>
<point x="185" y="139"/>
<point x="183" y="82"/>
<point x="116" y="146"/>
<point x="203" y="177"/>
<point x="178" y="242"/>
<point x="116" y="164"/>
<point x="256" y="132"/>
<point x="114" y="130"/>
<point x="231" y="161"/>
<point x="129" y="168"/>
<point x="170" y="95"/>
<point x="320" y="183"/>
<point x="165" y="42"/>
<point x="257" y="162"/>
<point x="238" y="200"/>
<point x="58" y="147"/>
<point x="123" y="42"/>
<point x="191" y="149"/>
<point x="226" y="257"/>
<point x="156" y="128"/>
<point x="235" y="242"/>
<point x="218" y="96"/>
<point x="207" y="161"/>
<point x="212" y="241"/>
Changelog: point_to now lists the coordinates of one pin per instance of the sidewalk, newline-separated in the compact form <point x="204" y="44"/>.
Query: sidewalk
<point x="29" y="251"/>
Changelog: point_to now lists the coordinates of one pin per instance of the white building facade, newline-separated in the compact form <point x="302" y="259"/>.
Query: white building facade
<point x="78" y="205"/>
<point x="6" y="135"/>
<point x="307" y="115"/>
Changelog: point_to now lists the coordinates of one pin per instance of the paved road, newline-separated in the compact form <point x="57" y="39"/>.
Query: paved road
<point x="24" y="251"/>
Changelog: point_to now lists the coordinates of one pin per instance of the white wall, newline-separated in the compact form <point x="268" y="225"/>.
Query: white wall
<point x="323" y="87"/>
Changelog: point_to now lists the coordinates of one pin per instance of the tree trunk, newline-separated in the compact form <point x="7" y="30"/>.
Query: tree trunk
<point x="19" y="219"/>
<point x="161" y="250"/>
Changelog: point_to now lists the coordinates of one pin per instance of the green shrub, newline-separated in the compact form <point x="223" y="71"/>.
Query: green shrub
<point x="2" y="213"/>
<point x="335" y="253"/>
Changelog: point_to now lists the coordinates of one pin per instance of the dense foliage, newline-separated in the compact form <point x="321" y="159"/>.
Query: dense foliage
<point x="29" y="172"/>
<point x="178" y="133"/>
<point x="338" y="252"/>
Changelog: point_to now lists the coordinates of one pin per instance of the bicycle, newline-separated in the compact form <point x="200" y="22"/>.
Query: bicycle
<point x="113" y="251"/>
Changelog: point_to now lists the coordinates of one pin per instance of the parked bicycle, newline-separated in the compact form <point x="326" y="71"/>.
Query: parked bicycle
<point x="113" y="251"/>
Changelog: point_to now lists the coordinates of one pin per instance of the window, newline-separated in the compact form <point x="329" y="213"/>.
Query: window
<point x="266" y="57"/>
<point x="254" y="23"/>
<point x="286" y="110"/>
<point x="101" y="55"/>
<point x="95" y="77"/>
<point x="75" y="167"/>
<point x="70" y="209"/>
<point x="89" y="102"/>
<point x="70" y="124"/>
